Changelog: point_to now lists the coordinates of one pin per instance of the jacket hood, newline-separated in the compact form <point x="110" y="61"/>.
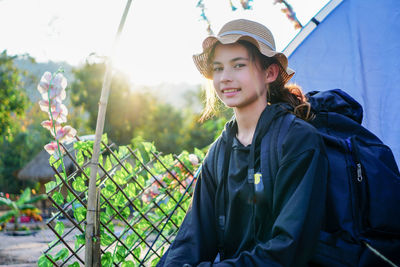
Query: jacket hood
<point x="336" y="101"/>
<point x="269" y="113"/>
<point x="230" y="128"/>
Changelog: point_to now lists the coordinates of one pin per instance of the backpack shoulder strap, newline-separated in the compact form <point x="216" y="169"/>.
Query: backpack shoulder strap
<point x="274" y="141"/>
<point x="283" y="131"/>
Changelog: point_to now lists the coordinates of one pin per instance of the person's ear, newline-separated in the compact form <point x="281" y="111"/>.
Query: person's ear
<point x="271" y="73"/>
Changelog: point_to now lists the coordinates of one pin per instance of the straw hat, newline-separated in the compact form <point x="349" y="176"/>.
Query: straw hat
<point x="246" y="30"/>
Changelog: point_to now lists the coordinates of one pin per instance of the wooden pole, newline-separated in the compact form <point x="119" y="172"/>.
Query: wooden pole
<point x="96" y="242"/>
<point x="92" y="198"/>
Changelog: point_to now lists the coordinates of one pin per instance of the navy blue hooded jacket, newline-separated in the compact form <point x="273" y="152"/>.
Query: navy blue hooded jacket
<point x="275" y="224"/>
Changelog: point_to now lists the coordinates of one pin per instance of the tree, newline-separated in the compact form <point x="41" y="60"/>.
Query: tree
<point x="163" y="126"/>
<point x="125" y="110"/>
<point x="29" y="137"/>
<point x="12" y="98"/>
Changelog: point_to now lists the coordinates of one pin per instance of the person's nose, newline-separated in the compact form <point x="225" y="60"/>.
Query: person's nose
<point x="226" y="75"/>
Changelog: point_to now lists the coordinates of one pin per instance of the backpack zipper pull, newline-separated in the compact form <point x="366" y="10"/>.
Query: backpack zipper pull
<point x="359" y="173"/>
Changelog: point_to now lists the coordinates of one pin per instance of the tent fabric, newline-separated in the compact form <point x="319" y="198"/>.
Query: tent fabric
<point x="357" y="48"/>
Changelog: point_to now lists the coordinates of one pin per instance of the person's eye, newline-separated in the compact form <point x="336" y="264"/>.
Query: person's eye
<point x="239" y="65"/>
<point x="217" y="69"/>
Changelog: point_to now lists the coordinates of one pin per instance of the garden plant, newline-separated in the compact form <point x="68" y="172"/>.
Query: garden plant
<point x="22" y="206"/>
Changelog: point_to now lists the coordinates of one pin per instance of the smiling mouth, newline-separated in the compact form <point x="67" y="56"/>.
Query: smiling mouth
<point x="230" y="90"/>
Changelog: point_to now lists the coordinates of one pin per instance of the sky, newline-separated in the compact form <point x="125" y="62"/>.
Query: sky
<point x="157" y="42"/>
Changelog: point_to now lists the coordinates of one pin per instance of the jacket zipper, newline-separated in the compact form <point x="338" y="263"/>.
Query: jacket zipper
<point x="357" y="169"/>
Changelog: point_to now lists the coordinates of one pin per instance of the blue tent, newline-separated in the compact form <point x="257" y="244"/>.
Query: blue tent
<point x="354" y="45"/>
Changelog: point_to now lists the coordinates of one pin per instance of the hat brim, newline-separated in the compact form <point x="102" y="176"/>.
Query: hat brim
<point x="201" y="60"/>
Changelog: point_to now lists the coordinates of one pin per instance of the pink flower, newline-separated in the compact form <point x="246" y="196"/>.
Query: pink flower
<point x="58" y="110"/>
<point x="44" y="83"/>
<point x="49" y="126"/>
<point x="153" y="190"/>
<point x="65" y="134"/>
<point x="57" y="89"/>
<point x="193" y="159"/>
<point x="44" y="105"/>
<point x="146" y="198"/>
<point x="52" y="149"/>
<point x="59" y="113"/>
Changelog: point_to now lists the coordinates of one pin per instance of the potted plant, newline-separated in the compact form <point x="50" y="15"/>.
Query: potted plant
<point x="22" y="206"/>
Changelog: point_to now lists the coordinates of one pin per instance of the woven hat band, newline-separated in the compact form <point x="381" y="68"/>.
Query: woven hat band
<point x="258" y="38"/>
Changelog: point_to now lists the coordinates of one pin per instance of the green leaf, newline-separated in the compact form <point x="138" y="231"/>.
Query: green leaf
<point x="128" y="264"/>
<point x="57" y="163"/>
<point x="36" y="199"/>
<point x="162" y="251"/>
<point x="103" y="217"/>
<point x="107" y="164"/>
<point x="87" y="171"/>
<point x="110" y="226"/>
<point x="75" y="264"/>
<point x="44" y="261"/>
<point x="80" y="159"/>
<point x="62" y="254"/>
<point x="130" y="190"/>
<point x="106" y="239"/>
<point x="8" y="215"/>
<point x="70" y="197"/>
<point x="59" y="228"/>
<point x="27" y="207"/>
<point x="121" y="253"/>
<point x="52" y="160"/>
<point x="25" y="196"/>
<point x="78" y="145"/>
<point x="80" y="213"/>
<point x="149" y="147"/>
<point x="104" y="138"/>
<point x="49" y="186"/>
<point x="122" y="152"/>
<point x="109" y="211"/>
<point x="110" y="185"/>
<point x="52" y="243"/>
<point x="128" y="167"/>
<point x="109" y="190"/>
<point x="141" y="180"/>
<point x="142" y="226"/>
<point x="79" y="240"/>
<point x="136" y="252"/>
<point x="120" y="199"/>
<point x="58" y="179"/>
<point x="143" y="153"/>
<point x="5" y="201"/>
<point x="130" y="240"/>
<point x="200" y="154"/>
<point x="106" y="259"/>
<point x="119" y="177"/>
<point x="137" y="203"/>
<point x="126" y="212"/>
<point x="154" y="261"/>
<point x="58" y="198"/>
<point x="79" y="184"/>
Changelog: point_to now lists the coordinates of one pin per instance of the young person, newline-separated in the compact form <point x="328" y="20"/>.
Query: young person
<point x="260" y="198"/>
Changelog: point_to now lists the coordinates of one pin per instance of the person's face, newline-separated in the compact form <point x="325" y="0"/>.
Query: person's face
<point x="238" y="81"/>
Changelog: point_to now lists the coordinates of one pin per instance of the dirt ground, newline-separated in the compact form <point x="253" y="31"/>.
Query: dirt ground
<point x="24" y="251"/>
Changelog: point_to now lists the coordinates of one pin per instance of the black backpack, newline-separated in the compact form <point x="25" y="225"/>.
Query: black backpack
<point x="362" y="221"/>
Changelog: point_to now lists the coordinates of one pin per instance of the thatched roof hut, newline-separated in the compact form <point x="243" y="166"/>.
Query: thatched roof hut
<point x="39" y="169"/>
